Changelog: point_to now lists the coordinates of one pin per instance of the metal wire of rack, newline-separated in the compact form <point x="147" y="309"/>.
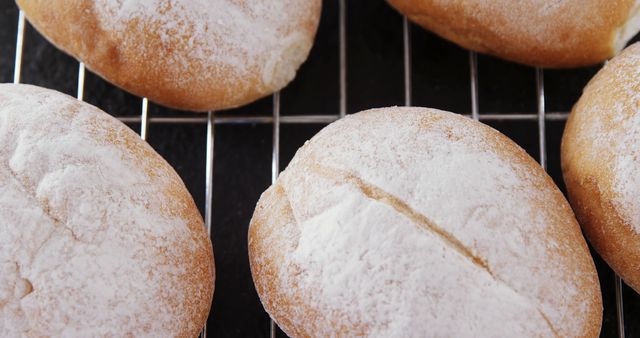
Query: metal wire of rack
<point x="211" y="120"/>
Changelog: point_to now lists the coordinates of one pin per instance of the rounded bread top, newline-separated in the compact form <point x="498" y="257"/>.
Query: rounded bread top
<point x="601" y="162"/>
<point x="565" y="33"/>
<point x="414" y="222"/>
<point x="195" y="55"/>
<point x="99" y="236"/>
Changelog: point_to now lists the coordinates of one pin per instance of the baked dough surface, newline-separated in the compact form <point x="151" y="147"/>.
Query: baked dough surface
<point x="413" y="222"/>
<point x="188" y="54"/>
<point x="98" y="235"/>
<point x="544" y="33"/>
<point x="601" y="163"/>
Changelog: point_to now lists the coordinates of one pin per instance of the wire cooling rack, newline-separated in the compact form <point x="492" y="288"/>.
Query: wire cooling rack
<point x="211" y="119"/>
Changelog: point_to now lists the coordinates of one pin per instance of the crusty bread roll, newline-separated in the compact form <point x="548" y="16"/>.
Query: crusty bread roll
<point x="413" y="222"/>
<point x="601" y="163"/>
<point x="98" y="235"/>
<point x="568" y="33"/>
<point x="193" y="55"/>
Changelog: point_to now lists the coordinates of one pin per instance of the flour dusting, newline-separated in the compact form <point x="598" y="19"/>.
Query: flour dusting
<point x="380" y="254"/>
<point x="238" y="36"/>
<point x="90" y="245"/>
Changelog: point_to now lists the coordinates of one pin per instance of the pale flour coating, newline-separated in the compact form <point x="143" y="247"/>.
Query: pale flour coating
<point x="190" y="54"/>
<point x="411" y="222"/>
<point x="238" y="35"/>
<point x="612" y="129"/>
<point x="601" y="163"/>
<point x="98" y="235"/>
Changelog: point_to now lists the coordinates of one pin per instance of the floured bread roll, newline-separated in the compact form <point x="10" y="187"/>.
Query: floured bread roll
<point x="187" y="54"/>
<point x="601" y="163"/>
<point x="413" y="222"/>
<point x="544" y="33"/>
<point x="98" y="235"/>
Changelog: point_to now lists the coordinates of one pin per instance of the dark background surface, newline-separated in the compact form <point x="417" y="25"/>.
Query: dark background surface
<point x="242" y="165"/>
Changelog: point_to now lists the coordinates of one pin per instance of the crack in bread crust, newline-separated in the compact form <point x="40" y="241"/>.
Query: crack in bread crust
<point x="548" y="321"/>
<point x="30" y="193"/>
<point x="376" y="193"/>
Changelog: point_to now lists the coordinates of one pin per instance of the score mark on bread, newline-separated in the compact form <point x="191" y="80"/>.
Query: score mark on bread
<point x="418" y="222"/>
<point x="376" y="193"/>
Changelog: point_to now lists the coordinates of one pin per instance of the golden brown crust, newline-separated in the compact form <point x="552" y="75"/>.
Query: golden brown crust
<point x="589" y="154"/>
<point x="263" y="233"/>
<point x="197" y="261"/>
<point x="540" y="33"/>
<point x="137" y="57"/>
<point x="568" y="229"/>
<point x="275" y="232"/>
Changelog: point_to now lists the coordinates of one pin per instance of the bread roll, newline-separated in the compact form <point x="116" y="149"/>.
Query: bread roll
<point x="413" y="222"/>
<point x="98" y="235"/>
<point x="543" y="33"/>
<point x="192" y="55"/>
<point x="601" y="163"/>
